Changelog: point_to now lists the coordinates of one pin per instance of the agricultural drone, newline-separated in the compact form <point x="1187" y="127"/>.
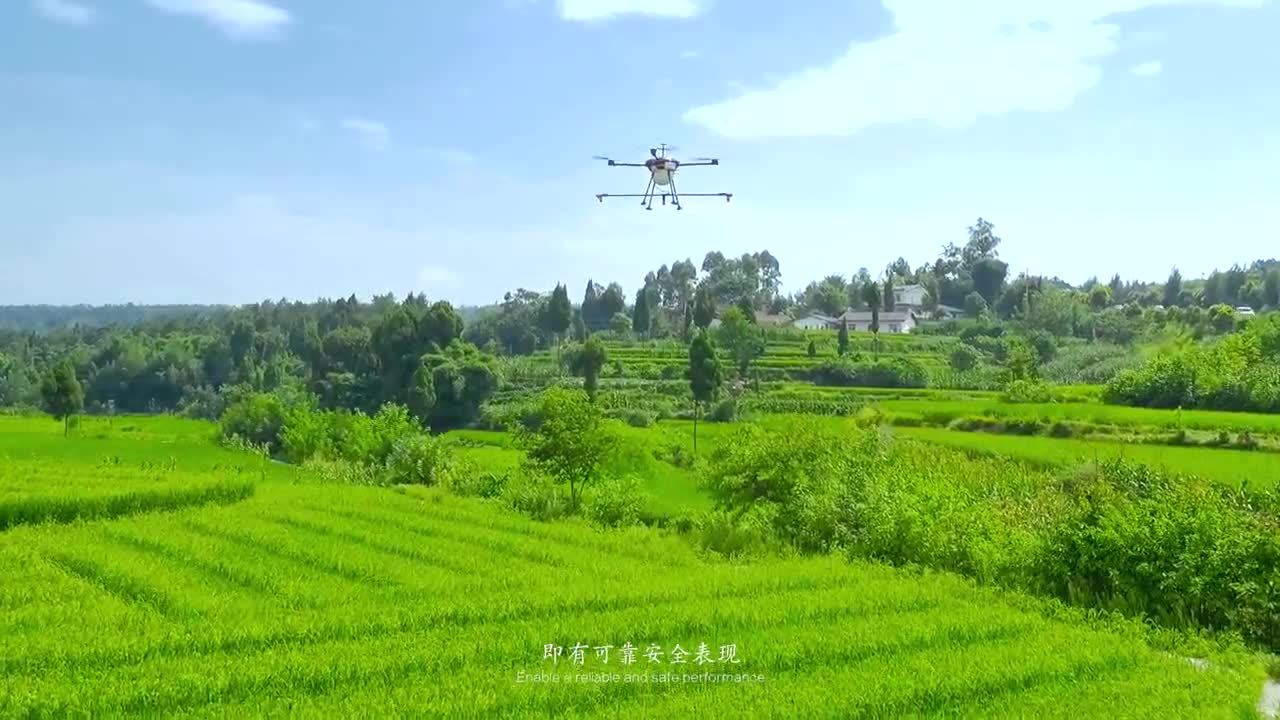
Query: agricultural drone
<point x="662" y="173"/>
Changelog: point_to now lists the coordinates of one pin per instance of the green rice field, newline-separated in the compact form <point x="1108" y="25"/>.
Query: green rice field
<point x="1259" y="470"/>
<point x="305" y="599"/>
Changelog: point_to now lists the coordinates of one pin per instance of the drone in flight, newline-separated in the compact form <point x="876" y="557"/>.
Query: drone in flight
<point x="662" y="174"/>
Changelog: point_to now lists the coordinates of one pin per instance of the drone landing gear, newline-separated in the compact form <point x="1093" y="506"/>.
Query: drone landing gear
<point x="675" y="196"/>
<point x="648" y="195"/>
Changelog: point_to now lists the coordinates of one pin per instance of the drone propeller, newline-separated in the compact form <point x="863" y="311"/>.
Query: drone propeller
<point x="702" y="159"/>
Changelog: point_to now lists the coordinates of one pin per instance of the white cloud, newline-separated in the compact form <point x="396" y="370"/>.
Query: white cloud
<point x="66" y="11"/>
<point x="945" y="63"/>
<point x="1152" y="67"/>
<point x="239" y="19"/>
<point x="373" y="134"/>
<point x="589" y="10"/>
<point x="690" y="54"/>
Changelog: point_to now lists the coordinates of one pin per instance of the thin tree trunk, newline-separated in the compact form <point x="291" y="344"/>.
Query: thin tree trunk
<point x="696" y="406"/>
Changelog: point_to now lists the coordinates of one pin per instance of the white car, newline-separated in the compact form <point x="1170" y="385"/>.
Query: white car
<point x="1244" y="310"/>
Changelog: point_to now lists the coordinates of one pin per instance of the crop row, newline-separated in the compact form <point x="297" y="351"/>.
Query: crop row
<point x="324" y="600"/>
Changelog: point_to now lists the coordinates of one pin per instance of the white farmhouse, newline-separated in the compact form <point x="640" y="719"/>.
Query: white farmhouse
<point x="910" y="296"/>
<point x="814" y="321"/>
<point x="897" y="321"/>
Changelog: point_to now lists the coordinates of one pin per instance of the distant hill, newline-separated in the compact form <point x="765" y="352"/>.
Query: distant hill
<point x="43" y="318"/>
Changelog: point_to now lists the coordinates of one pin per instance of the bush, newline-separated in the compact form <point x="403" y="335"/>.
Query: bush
<point x="1239" y="372"/>
<point x="797" y="484"/>
<point x="258" y="418"/>
<point x="896" y="372"/>
<point x="724" y="411"/>
<point x="723" y="534"/>
<point x="963" y="357"/>
<point x="616" y="502"/>
<point x="1027" y="391"/>
<point x="537" y="496"/>
<point x="468" y="480"/>
<point x="1179" y="550"/>
<point x="419" y="459"/>
<point x="634" y="418"/>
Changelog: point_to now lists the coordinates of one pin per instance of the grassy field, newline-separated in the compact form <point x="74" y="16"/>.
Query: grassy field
<point x="117" y="467"/>
<point x="324" y="600"/>
<point x="1235" y="467"/>
<point x="942" y="411"/>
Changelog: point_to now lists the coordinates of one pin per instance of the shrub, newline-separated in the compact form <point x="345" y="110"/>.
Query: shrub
<point x="468" y="480"/>
<point x="1179" y="550"/>
<point x="963" y="357"/>
<point x="798" y="483"/>
<point x="537" y="496"/>
<point x="1238" y="372"/>
<point x="724" y="411"/>
<point x="418" y="459"/>
<point x="616" y="502"/>
<point x="888" y="372"/>
<point x="634" y="418"/>
<point x="723" y="534"/>
<point x="1027" y="391"/>
<point x="258" y="418"/>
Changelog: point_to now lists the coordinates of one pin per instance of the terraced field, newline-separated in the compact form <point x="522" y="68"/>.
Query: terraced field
<point x="1259" y="470"/>
<point x="322" y="600"/>
<point x="940" y="411"/>
<point x="117" y="468"/>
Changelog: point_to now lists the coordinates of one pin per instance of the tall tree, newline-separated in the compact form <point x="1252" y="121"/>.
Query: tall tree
<point x="398" y="347"/>
<point x="591" y="307"/>
<point x="688" y="321"/>
<point x="1099" y="297"/>
<point x="704" y="308"/>
<point x="62" y="394"/>
<point x="559" y="312"/>
<point x="988" y="278"/>
<point x="1173" y="288"/>
<point x="704" y="376"/>
<point x="640" y="319"/>
<point x="1117" y="289"/>
<point x="612" y="301"/>
<point x="887" y="298"/>
<point x="900" y="268"/>
<point x="1271" y="289"/>
<point x="842" y="339"/>
<point x="748" y="309"/>
<point x="744" y="341"/>
<point x="684" y="275"/>
<point x="770" y="275"/>
<point x="982" y="243"/>
<point x="871" y="295"/>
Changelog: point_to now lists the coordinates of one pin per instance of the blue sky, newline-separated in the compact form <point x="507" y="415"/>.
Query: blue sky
<point x="236" y="150"/>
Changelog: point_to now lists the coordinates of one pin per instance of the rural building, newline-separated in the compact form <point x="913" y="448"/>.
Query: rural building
<point x="910" y="296"/>
<point x="766" y="319"/>
<point x="815" y="321"/>
<point x="897" y="321"/>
